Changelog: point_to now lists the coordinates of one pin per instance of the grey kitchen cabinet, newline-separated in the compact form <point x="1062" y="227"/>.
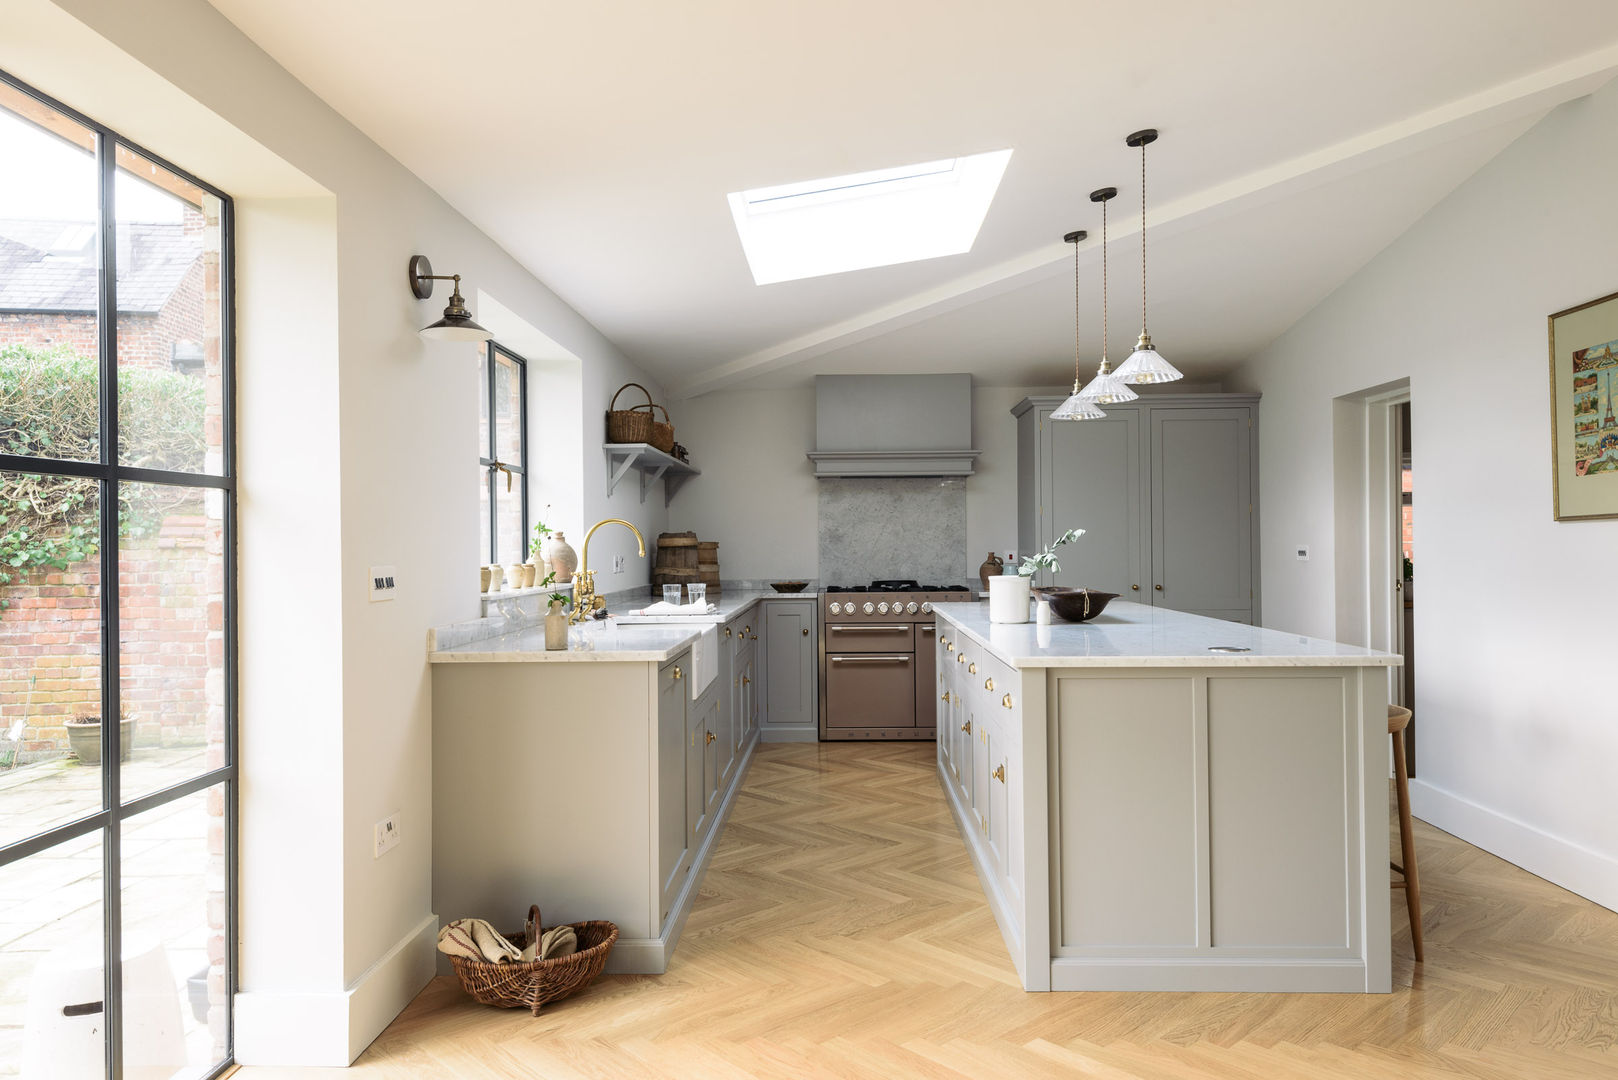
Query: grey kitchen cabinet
<point x="1166" y="490"/>
<point x="789" y="708"/>
<point x="673" y="815"/>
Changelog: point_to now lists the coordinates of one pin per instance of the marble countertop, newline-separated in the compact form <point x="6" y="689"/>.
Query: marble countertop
<point x="1139" y="635"/>
<point x="604" y="641"/>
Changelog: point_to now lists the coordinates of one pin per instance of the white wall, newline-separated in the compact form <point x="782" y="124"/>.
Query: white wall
<point x="751" y="443"/>
<point x="1516" y="681"/>
<point x="356" y="443"/>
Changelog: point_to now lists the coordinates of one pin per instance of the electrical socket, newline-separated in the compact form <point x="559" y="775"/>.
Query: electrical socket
<point x="387" y="834"/>
<point x="1302" y="551"/>
<point x="383" y="585"/>
<point x="617" y="564"/>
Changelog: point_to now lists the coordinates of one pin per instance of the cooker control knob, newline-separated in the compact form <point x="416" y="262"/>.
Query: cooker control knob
<point x="869" y="607"/>
<point x="882" y="608"/>
<point x="836" y="608"/>
<point x="911" y="607"/>
<point x="926" y="609"/>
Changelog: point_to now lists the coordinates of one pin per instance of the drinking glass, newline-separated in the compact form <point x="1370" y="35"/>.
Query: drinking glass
<point x="697" y="593"/>
<point x="671" y="594"/>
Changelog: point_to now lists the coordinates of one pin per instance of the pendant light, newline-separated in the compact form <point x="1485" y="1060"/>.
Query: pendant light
<point x="1145" y="364"/>
<point x="1077" y="406"/>
<point x="1106" y="388"/>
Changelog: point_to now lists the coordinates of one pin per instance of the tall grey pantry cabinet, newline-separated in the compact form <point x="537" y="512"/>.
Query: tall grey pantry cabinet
<point x="1166" y="489"/>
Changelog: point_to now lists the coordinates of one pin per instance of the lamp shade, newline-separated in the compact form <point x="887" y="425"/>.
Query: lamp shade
<point x="1107" y="388"/>
<point x="1146" y="365"/>
<point x="455" y="328"/>
<point x="1078" y="407"/>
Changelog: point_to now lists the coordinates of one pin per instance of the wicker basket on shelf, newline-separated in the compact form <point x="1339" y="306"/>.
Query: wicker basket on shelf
<point x="517" y="985"/>
<point x="639" y="423"/>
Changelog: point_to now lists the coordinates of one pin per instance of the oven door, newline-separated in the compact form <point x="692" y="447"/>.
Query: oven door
<point x="927" y="688"/>
<point x="870" y="690"/>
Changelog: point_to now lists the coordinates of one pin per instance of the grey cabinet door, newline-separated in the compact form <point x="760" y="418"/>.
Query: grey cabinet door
<point x="789" y="663"/>
<point x="673" y="840"/>
<point x="696" y="756"/>
<point x="1202" y="502"/>
<point x="1094" y="481"/>
<point x="713" y="757"/>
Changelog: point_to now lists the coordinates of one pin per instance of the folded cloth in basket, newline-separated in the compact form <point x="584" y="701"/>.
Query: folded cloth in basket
<point x="476" y="939"/>
<point x="663" y="607"/>
<point x="558" y="941"/>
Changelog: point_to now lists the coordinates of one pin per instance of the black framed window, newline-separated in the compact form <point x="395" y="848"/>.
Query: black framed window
<point x="117" y="604"/>
<point x="503" y="455"/>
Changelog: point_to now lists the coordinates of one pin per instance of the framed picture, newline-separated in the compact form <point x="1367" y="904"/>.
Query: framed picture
<point x="1584" y="392"/>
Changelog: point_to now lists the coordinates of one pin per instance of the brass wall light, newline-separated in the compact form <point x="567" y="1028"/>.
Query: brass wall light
<point x="457" y="324"/>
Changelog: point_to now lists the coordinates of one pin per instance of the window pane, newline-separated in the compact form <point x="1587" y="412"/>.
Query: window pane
<point x="509" y="513"/>
<point x="175" y="987"/>
<point x="484" y="446"/>
<point x="51" y="958"/>
<point x="484" y="550"/>
<point x="171" y="633"/>
<point x="170" y="387"/>
<point x="50" y="258"/>
<point x="50" y="652"/>
<point x="508" y="410"/>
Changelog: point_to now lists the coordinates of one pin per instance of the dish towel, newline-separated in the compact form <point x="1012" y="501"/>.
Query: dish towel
<point x="558" y="941"/>
<point x="704" y="661"/>
<point x="476" y="939"/>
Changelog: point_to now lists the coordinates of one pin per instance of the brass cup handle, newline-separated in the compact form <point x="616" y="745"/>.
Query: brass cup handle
<point x="967" y="726"/>
<point x="988" y="684"/>
<point x="971" y="669"/>
<point x="746" y="630"/>
<point x="727" y="631"/>
<point x="1006" y="701"/>
<point x="999" y="771"/>
<point x="960" y="658"/>
<point x="949" y="646"/>
<point x="944" y="641"/>
<point x="711" y="737"/>
<point x="678" y="674"/>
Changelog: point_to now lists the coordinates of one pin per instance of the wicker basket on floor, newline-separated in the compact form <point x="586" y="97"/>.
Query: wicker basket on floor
<point x="515" y="985"/>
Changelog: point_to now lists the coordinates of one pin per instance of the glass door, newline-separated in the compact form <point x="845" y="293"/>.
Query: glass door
<point x="117" y="623"/>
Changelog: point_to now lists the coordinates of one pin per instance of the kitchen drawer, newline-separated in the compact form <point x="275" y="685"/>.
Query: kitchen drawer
<point x="871" y="637"/>
<point x="991" y="685"/>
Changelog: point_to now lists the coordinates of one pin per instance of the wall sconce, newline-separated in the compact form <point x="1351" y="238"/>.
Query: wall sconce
<point x="457" y="324"/>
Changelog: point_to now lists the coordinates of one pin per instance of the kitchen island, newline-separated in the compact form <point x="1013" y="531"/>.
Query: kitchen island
<point x="1161" y="801"/>
<point x="595" y="780"/>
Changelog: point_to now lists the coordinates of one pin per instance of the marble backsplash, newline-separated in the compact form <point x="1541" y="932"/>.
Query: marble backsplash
<point x="893" y="527"/>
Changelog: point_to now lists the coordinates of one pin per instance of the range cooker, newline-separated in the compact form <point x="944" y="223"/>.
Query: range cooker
<point x="877" y="657"/>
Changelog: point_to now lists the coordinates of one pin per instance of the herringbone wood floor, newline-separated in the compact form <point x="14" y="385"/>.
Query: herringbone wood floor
<point x="841" y="932"/>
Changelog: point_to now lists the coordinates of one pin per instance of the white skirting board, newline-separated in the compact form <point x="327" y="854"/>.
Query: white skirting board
<point x="332" y="1028"/>
<point x="1591" y="874"/>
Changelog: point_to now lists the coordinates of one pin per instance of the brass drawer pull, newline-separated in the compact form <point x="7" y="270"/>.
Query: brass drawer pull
<point x="960" y="658"/>
<point x="971" y="669"/>
<point x="949" y="646"/>
<point x="746" y="681"/>
<point x="988" y="684"/>
<point x="1006" y="701"/>
<point x="945" y="697"/>
<point x="727" y="631"/>
<point x="711" y="737"/>
<point x="678" y="674"/>
<point x="999" y="772"/>
<point x="967" y="727"/>
<point x="806" y="631"/>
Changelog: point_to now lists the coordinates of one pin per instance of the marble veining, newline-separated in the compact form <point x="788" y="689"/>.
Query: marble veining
<point x="893" y="527"/>
<point x="1139" y="635"/>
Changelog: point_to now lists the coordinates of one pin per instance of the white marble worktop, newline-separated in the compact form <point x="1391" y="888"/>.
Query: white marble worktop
<point x="1139" y="635"/>
<point x="606" y="641"/>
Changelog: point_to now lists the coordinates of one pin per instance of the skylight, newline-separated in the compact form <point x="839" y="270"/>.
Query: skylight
<point x="816" y="227"/>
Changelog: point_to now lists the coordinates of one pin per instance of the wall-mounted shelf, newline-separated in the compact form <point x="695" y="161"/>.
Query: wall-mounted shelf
<point x="653" y="465"/>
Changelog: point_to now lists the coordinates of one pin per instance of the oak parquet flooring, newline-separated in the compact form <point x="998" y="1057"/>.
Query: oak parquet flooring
<point x="841" y="932"/>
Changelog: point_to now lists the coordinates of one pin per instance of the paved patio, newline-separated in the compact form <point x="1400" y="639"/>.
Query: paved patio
<point x="51" y="903"/>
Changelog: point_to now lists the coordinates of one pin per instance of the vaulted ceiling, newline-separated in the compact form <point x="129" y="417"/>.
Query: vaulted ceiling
<point x="597" y="141"/>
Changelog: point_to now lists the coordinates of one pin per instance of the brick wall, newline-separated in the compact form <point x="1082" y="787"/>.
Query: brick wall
<point x="143" y="340"/>
<point x="171" y="637"/>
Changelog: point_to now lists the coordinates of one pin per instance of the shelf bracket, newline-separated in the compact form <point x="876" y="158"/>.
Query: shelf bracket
<point x="648" y="478"/>
<point x="616" y="472"/>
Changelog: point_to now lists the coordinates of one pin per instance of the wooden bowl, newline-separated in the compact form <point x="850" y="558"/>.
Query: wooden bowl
<point x="1076" y="605"/>
<point x="788" y="586"/>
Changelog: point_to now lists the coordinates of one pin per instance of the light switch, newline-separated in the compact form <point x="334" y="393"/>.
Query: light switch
<point x="1302" y="551"/>
<point x="383" y="583"/>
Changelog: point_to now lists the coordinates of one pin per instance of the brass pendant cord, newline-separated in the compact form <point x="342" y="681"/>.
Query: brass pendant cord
<point x="1103" y="282"/>
<point x="1142" y="238"/>
<point x="1077" y="356"/>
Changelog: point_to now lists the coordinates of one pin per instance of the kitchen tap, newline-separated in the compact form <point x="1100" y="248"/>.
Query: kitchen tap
<point x="585" y="600"/>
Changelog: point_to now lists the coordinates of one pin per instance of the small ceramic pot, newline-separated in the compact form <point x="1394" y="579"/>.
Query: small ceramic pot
<point x="1008" y="598"/>
<point x="483" y="579"/>
<point x="992" y="566"/>
<point x="497" y="576"/>
<point x="555" y="627"/>
<point x="560" y="554"/>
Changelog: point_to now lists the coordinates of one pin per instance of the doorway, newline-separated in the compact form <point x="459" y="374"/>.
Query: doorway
<point x="1404" y="689"/>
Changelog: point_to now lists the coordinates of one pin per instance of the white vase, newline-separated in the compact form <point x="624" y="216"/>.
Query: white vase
<point x="1008" y="598"/>
<point x="563" y="559"/>
<point x="555" y="627"/>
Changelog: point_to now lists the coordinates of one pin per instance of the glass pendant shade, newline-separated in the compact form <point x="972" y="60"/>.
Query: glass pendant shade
<point x="1107" y="388"/>
<point x="1078" y="407"/>
<point x="1146" y="365"/>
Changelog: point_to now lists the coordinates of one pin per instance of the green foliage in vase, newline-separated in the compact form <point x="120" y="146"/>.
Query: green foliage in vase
<point x="1046" y="560"/>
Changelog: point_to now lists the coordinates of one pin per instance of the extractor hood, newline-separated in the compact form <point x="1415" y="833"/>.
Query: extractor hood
<point x="893" y="425"/>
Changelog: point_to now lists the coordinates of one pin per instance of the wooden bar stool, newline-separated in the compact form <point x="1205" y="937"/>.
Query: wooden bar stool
<point x="1398" y="720"/>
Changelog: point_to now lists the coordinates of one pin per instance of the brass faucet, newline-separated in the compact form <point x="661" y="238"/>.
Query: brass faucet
<point x="585" y="600"/>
